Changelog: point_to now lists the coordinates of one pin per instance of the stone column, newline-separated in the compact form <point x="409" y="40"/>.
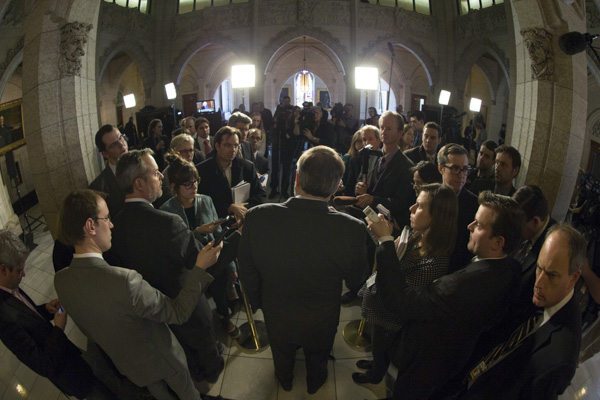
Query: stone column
<point x="550" y="98"/>
<point x="59" y="98"/>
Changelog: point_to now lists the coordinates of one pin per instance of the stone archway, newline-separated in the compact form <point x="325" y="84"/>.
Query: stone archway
<point x="59" y="98"/>
<point x="549" y="98"/>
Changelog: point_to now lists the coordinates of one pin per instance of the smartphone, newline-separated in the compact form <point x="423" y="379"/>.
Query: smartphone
<point x="220" y="221"/>
<point x="386" y="213"/>
<point x="61" y="310"/>
<point x="371" y="214"/>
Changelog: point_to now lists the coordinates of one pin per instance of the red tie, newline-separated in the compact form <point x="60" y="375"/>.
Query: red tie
<point x="206" y="146"/>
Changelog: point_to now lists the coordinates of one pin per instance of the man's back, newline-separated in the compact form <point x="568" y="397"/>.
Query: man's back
<point x="295" y="272"/>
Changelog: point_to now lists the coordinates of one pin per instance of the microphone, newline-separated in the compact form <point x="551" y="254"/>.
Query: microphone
<point x="391" y="48"/>
<point x="574" y="42"/>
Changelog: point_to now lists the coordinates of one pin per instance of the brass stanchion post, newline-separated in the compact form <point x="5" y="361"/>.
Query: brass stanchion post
<point x="253" y="334"/>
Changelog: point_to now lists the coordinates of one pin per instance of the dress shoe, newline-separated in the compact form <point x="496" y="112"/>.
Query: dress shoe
<point x="230" y="328"/>
<point x="349" y="297"/>
<point x="287" y="386"/>
<point x="361" y="378"/>
<point x="364" y="364"/>
<point x="274" y="193"/>
<point x="313" y="387"/>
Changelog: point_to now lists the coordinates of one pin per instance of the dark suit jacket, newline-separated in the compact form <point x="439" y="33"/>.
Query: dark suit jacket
<point x="394" y="189"/>
<point x="542" y="367"/>
<point x="43" y="347"/>
<point x="295" y="272"/>
<point x="351" y="174"/>
<point x="467" y="208"/>
<point x="417" y="154"/>
<point x="260" y="162"/>
<point x="480" y="184"/>
<point x="106" y="182"/>
<point x="442" y="321"/>
<point x="214" y="184"/>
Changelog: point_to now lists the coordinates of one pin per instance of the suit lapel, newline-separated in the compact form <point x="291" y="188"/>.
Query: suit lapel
<point x="15" y="303"/>
<point x="389" y="169"/>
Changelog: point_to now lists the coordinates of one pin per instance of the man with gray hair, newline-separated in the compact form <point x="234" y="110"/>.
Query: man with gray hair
<point x="162" y="249"/>
<point x="542" y="361"/>
<point x="294" y="273"/>
<point x="25" y="327"/>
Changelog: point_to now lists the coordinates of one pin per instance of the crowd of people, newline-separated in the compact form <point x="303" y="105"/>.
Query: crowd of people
<point x="472" y="295"/>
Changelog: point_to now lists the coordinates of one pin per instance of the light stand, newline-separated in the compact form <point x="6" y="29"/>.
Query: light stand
<point x="253" y="333"/>
<point x="474" y="107"/>
<point x="443" y="100"/>
<point x="366" y="78"/>
<point x="172" y="95"/>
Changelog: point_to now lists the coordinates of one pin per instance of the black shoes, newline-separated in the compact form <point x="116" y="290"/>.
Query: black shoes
<point x="361" y="378"/>
<point x="364" y="364"/>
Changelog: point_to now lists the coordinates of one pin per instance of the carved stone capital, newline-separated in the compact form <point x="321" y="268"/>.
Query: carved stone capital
<point x="73" y="37"/>
<point x="539" y="45"/>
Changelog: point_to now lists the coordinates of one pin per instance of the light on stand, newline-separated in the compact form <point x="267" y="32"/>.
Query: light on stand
<point x="129" y="100"/>
<point x="172" y="95"/>
<point x="366" y="78"/>
<point x="243" y="76"/>
<point x="443" y="100"/>
<point x="474" y="106"/>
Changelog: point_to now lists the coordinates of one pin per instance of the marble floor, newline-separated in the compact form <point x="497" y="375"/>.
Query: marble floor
<point x="246" y="376"/>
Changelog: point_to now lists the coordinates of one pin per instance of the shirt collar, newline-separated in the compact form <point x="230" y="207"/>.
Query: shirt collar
<point x="87" y="255"/>
<point x="137" y="200"/>
<point x="550" y="311"/>
<point x="537" y="235"/>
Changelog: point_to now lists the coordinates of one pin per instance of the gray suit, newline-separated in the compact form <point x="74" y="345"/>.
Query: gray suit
<point x="116" y="308"/>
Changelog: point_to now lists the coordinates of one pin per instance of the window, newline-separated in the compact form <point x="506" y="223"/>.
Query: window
<point x="186" y="6"/>
<point x="466" y="6"/>
<point x="304" y="87"/>
<point x="420" y="6"/>
<point x="142" y="6"/>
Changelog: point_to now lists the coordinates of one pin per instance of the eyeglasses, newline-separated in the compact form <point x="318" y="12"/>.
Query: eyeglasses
<point x="105" y="219"/>
<point x="455" y="170"/>
<point x="118" y="142"/>
<point x="186" y="151"/>
<point x="257" y="138"/>
<point x="190" y="184"/>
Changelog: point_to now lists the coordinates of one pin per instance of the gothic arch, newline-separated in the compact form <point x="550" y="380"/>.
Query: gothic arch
<point x="10" y="69"/>
<point x="281" y="38"/>
<point x="192" y="48"/>
<point x="138" y="56"/>
<point x="416" y="49"/>
<point x="469" y="57"/>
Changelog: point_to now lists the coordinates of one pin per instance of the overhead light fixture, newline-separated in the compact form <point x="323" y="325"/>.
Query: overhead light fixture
<point x="129" y="100"/>
<point x="475" y="105"/>
<point x="171" y="92"/>
<point x="444" y="97"/>
<point x="242" y="76"/>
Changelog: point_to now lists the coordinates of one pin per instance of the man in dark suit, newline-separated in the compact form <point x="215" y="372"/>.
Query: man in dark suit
<point x="442" y="321"/>
<point x="26" y="330"/>
<point x="453" y="164"/>
<point x="482" y="177"/>
<point x="162" y="249"/>
<point x="294" y="273"/>
<point x="538" y="223"/>
<point x="254" y="140"/>
<point x="543" y="364"/>
<point x="112" y="145"/>
<point x="223" y="171"/>
<point x="506" y="169"/>
<point x="432" y="137"/>
<point x="389" y="179"/>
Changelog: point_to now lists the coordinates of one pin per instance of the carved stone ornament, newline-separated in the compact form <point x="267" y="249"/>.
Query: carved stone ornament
<point x="73" y="38"/>
<point x="596" y="129"/>
<point x="539" y="46"/>
<point x="479" y="22"/>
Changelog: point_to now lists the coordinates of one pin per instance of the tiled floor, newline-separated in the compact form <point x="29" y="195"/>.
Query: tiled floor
<point x="247" y="376"/>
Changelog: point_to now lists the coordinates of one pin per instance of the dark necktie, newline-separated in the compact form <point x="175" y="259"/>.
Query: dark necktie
<point x="523" y="250"/>
<point x="502" y="350"/>
<point x="206" y="146"/>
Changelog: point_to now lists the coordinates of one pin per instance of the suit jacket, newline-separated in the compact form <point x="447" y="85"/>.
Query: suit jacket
<point x="117" y="309"/>
<point x="261" y="163"/>
<point x="42" y="346"/>
<point x="351" y="174"/>
<point x="295" y="272"/>
<point x="106" y="182"/>
<point x="542" y="367"/>
<point x="467" y="208"/>
<point x="159" y="246"/>
<point x="394" y="189"/>
<point x="417" y="154"/>
<point x="214" y="183"/>
<point x="442" y="321"/>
